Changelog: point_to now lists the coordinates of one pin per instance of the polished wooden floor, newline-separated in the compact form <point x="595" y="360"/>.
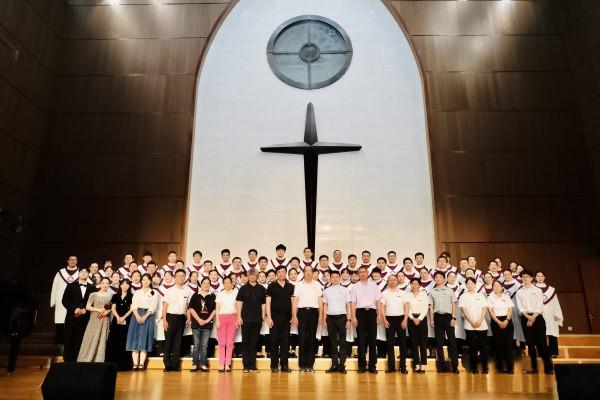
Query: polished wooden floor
<point x="156" y="385"/>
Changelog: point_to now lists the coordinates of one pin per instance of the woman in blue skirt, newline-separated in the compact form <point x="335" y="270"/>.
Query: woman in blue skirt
<point x="140" y="337"/>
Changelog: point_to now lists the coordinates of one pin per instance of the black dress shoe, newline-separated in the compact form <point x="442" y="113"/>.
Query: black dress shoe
<point x="390" y="371"/>
<point x="342" y="370"/>
<point x="274" y="369"/>
<point x="362" y="370"/>
<point x="286" y="369"/>
<point x="332" y="369"/>
<point x="372" y="371"/>
<point x="403" y="371"/>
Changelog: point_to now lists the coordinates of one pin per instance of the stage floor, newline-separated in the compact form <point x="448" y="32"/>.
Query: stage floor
<point x="157" y="385"/>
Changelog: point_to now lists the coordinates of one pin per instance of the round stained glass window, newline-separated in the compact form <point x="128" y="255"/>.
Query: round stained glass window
<point x="309" y="52"/>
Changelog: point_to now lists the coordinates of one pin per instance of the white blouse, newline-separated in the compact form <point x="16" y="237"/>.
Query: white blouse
<point x="418" y="304"/>
<point x="473" y="304"/>
<point x="226" y="301"/>
<point x="145" y="300"/>
<point x="499" y="304"/>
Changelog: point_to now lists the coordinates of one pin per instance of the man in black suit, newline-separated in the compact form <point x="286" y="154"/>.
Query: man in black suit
<point x="74" y="300"/>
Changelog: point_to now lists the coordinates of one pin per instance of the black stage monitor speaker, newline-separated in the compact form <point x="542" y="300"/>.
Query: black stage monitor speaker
<point x="577" y="381"/>
<point x="81" y="381"/>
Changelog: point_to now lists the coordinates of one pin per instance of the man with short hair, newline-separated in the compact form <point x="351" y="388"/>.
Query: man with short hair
<point x="366" y="313"/>
<point x="174" y="311"/>
<point x="442" y="306"/>
<point x="74" y="300"/>
<point x="250" y="304"/>
<point x="337" y="308"/>
<point x="278" y="315"/>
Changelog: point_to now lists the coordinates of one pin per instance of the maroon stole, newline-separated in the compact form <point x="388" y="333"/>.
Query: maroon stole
<point x="507" y="287"/>
<point x="249" y="266"/>
<point x="142" y="269"/>
<point x="136" y="287"/>
<point x="124" y="272"/>
<point x="215" y="286"/>
<point x="381" y="285"/>
<point x="162" y="289"/>
<point x="486" y="290"/>
<point x="222" y="270"/>
<point x="194" y="287"/>
<point x="549" y="293"/>
<point x="410" y="276"/>
<point x="68" y="275"/>
<point x="280" y="263"/>
<point x="338" y="267"/>
<point x="166" y="268"/>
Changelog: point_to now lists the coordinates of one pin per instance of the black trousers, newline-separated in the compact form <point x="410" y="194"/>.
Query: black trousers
<point x="477" y="341"/>
<point x="73" y="336"/>
<point x="442" y="330"/>
<point x="367" y="337"/>
<point x="535" y="337"/>
<point x="172" y="350"/>
<point x="280" y="341"/>
<point x="503" y="346"/>
<point x="336" y="328"/>
<point x="553" y="345"/>
<point x="307" y="332"/>
<point x="390" y="334"/>
<point x="418" y="341"/>
<point x="59" y="333"/>
<point x="250" y="334"/>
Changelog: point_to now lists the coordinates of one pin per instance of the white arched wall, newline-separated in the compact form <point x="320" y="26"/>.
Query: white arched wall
<point x="379" y="198"/>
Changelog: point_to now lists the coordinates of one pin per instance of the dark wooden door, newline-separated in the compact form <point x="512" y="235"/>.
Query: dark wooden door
<point x="590" y="274"/>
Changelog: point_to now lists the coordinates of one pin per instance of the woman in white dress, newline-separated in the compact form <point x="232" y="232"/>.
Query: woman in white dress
<point x="551" y="312"/>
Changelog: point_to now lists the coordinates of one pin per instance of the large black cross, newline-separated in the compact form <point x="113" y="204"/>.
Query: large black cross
<point x="310" y="149"/>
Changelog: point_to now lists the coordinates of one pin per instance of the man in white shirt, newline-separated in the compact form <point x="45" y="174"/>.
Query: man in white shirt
<point x="307" y="314"/>
<point x="174" y="313"/>
<point x="395" y="321"/>
<point x="530" y="302"/>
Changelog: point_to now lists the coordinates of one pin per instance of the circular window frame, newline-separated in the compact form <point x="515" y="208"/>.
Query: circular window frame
<point x="301" y="85"/>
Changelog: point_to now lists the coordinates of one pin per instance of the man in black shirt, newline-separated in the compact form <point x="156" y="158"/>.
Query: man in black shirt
<point x="251" y="313"/>
<point x="279" y="315"/>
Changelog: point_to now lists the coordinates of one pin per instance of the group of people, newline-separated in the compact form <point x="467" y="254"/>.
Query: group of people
<point x="109" y="314"/>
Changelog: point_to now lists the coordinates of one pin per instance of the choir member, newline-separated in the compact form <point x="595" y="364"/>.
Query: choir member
<point x="488" y="281"/>
<point x="264" y="265"/>
<point x="345" y="278"/>
<point x="174" y="320"/>
<point x="418" y="307"/>
<point x="93" y="346"/>
<point x="395" y="320"/>
<point x="295" y="266"/>
<point x="250" y="306"/>
<point x="170" y="265"/>
<point x="293" y="276"/>
<point x="307" y="314"/>
<point x="207" y="266"/>
<point x="463" y="265"/>
<point x="337" y="263"/>
<point x="377" y="276"/>
<point x="243" y="279"/>
<point x="74" y="300"/>
<point x="117" y="338"/>
<point x="236" y="270"/>
<point x="136" y="278"/>
<point x="473" y="265"/>
<point x="216" y="284"/>
<point x="226" y="321"/>
<point x="252" y="262"/>
<point x="94" y="269"/>
<point x="403" y="282"/>
<point x="140" y="335"/>
<point x="323" y="264"/>
<point x="146" y="259"/>
<point x="202" y="311"/>
<point x="501" y="307"/>
<point x="425" y="280"/>
<point x="124" y="270"/>
<point x="473" y="305"/>
<point x="193" y="281"/>
<point x="278" y="311"/>
<point x="366" y="261"/>
<point x="442" y="303"/>
<point x="115" y="281"/>
<point x="308" y="258"/>
<point x="156" y="280"/>
<point x="493" y="270"/>
<point x="223" y="268"/>
<point x="95" y="280"/>
<point x="392" y="266"/>
<point x="420" y="261"/>
<point x="511" y="287"/>
<point x="443" y="266"/>
<point x="104" y="271"/>
<point x="352" y="263"/>
<point x="366" y="312"/>
<point x="380" y="265"/>
<point x="279" y="259"/>
<point x="196" y="264"/>
<point x="62" y="279"/>
<point x="409" y="270"/>
<point x="337" y="307"/>
<point x="551" y="311"/>
<point x="150" y="268"/>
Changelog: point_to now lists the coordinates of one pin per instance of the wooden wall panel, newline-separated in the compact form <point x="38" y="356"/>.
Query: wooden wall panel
<point x="28" y="57"/>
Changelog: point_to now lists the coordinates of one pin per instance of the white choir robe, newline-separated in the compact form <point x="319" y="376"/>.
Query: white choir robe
<point x="191" y="290"/>
<point x="337" y="267"/>
<point x="511" y="290"/>
<point x="159" y="332"/>
<point x="551" y="310"/>
<point x="486" y="292"/>
<point x="61" y="280"/>
<point x="459" y="327"/>
<point x="124" y="272"/>
<point x="390" y="270"/>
